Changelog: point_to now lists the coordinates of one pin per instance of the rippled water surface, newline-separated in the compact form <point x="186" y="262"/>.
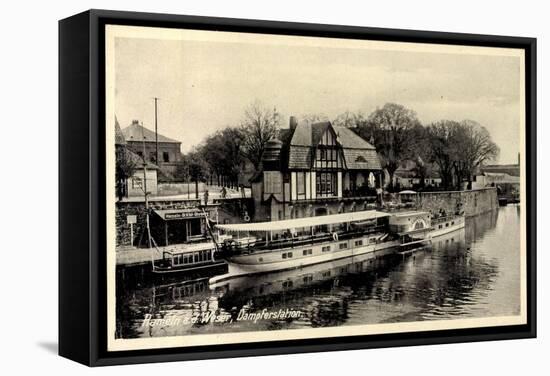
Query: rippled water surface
<point x="473" y="272"/>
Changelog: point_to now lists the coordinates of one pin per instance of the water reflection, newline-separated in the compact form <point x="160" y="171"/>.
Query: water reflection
<point x="473" y="272"/>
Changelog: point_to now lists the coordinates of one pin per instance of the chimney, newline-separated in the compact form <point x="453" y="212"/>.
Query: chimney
<point x="293" y="122"/>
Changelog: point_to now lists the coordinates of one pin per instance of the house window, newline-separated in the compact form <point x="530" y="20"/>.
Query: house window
<point x="165" y="156"/>
<point x="136" y="183"/>
<point x="153" y="157"/>
<point x="301" y="183"/>
<point x="325" y="183"/>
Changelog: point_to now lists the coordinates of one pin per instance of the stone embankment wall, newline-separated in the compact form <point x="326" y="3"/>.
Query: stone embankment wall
<point x="473" y="202"/>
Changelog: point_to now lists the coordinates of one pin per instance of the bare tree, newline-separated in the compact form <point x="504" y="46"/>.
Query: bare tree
<point x="390" y="128"/>
<point x="349" y="119"/>
<point x="313" y="118"/>
<point x="125" y="168"/>
<point x="473" y="147"/>
<point x="259" y="125"/>
<point x="442" y="144"/>
<point x="223" y="152"/>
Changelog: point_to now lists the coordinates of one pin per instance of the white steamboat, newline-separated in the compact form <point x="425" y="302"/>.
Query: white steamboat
<point x="294" y="243"/>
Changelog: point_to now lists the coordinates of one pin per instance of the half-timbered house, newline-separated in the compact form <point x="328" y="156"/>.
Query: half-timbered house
<point x="315" y="169"/>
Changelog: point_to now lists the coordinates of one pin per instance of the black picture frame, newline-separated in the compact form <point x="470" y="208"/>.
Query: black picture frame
<point x="82" y="229"/>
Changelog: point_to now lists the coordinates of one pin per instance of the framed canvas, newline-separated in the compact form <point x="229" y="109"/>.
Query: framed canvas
<point x="236" y="187"/>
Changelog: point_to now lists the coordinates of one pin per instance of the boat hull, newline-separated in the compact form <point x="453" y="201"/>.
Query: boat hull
<point x="249" y="264"/>
<point x="448" y="226"/>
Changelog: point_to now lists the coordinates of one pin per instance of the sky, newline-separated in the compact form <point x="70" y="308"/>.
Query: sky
<point x="206" y="84"/>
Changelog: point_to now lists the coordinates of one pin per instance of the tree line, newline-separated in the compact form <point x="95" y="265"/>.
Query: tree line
<point x="456" y="148"/>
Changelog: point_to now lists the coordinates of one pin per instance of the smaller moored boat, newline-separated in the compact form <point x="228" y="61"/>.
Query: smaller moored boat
<point x="186" y="258"/>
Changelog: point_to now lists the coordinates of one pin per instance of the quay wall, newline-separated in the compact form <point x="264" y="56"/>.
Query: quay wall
<point x="226" y="211"/>
<point x="472" y="202"/>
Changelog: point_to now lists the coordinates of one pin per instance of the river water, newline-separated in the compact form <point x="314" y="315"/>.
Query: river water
<point x="472" y="272"/>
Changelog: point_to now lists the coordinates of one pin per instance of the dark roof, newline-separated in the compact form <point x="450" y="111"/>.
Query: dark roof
<point x="358" y="153"/>
<point x="317" y="131"/>
<point x="302" y="135"/>
<point x="349" y="139"/>
<point x="299" y="157"/>
<point x="299" y="146"/>
<point x="136" y="132"/>
<point x="361" y="159"/>
<point x="119" y="136"/>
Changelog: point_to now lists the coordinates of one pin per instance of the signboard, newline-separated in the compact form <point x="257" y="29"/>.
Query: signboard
<point x="131" y="219"/>
<point x="183" y="214"/>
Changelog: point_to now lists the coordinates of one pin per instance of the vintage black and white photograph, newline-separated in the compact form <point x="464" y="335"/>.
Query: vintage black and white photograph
<point x="269" y="187"/>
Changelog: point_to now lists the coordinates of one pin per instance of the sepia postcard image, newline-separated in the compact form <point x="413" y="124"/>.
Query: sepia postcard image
<point x="268" y="187"/>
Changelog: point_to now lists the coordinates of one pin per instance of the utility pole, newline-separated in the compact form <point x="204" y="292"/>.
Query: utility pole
<point x="144" y="186"/>
<point x="156" y="132"/>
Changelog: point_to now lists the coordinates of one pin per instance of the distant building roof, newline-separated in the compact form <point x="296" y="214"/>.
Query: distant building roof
<point x="136" y="132"/>
<point x="407" y="169"/>
<point x="510" y="169"/>
<point x="501" y="178"/>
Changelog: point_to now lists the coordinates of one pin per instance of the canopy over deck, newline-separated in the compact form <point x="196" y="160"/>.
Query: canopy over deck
<point x="303" y="222"/>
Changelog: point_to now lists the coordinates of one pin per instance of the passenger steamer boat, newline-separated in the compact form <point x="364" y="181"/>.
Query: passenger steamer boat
<point x="287" y="244"/>
<point x="187" y="258"/>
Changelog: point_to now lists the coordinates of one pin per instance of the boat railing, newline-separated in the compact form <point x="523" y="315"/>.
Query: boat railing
<point x="304" y="240"/>
<point x="443" y="219"/>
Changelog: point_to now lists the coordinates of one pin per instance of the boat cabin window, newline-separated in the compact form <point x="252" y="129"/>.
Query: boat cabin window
<point x="326" y="248"/>
<point x="372" y="240"/>
<point x="440" y="226"/>
<point x="358" y="243"/>
<point x="452" y="223"/>
<point x="287" y="255"/>
<point x="307" y="252"/>
<point x="343" y="245"/>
